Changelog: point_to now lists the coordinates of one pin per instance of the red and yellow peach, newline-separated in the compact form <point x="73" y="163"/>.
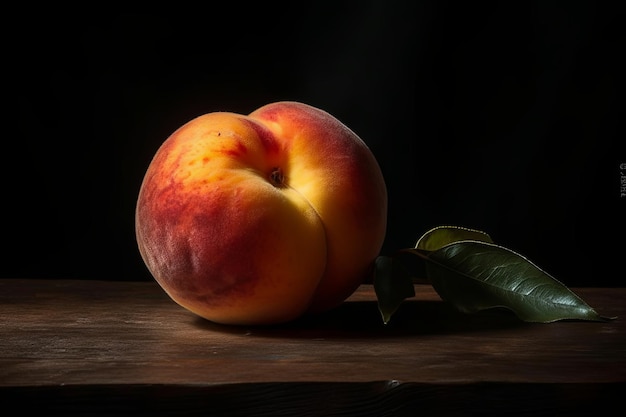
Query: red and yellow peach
<point x="262" y="218"/>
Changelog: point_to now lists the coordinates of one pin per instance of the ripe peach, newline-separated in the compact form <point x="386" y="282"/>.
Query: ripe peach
<point x="262" y="218"/>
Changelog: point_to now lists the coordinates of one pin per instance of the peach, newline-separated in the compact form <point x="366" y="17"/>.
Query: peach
<point x="263" y="218"/>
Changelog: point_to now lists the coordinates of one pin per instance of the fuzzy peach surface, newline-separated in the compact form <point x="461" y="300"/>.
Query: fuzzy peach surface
<point x="259" y="219"/>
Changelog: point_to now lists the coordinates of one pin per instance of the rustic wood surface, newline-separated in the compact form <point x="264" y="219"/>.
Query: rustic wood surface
<point x="114" y="348"/>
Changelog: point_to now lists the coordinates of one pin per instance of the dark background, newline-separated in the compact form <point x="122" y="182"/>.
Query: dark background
<point x="501" y="116"/>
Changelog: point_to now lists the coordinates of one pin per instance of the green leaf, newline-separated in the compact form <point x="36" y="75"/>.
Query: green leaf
<point x="392" y="284"/>
<point x="440" y="236"/>
<point x="474" y="276"/>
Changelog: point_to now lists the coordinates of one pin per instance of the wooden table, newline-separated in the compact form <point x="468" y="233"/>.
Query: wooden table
<point x="71" y="347"/>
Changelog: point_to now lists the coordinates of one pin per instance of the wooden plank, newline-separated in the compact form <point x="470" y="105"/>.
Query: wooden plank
<point x="87" y="341"/>
<point x="76" y="332"/>
<point x="361" y="399"/>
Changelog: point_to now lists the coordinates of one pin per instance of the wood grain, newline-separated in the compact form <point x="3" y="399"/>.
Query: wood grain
<point x="115" y="348"/>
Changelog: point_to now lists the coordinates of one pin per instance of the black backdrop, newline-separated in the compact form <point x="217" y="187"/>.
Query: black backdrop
<point x="501" y="116"/>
